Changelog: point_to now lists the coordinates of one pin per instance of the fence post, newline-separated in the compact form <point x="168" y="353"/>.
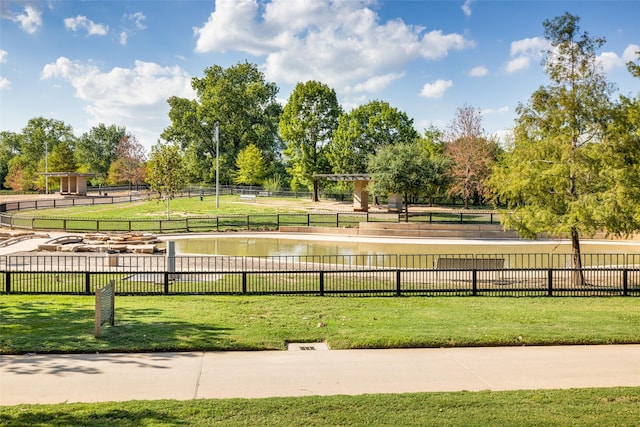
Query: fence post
<point x="244" y="282"/>
<point x="321" y="283"/>
<point x="7" y="281"/>
<point x="166" y="282"/>
<point x="398" y="283"/>
<point x="625" y="282"/>
<point x="87" y="283"/>
<point x="308" y="220"/>
<point x="337" y="220"/>
<point x="474" y="282"/>
<point x="550" y="282"/>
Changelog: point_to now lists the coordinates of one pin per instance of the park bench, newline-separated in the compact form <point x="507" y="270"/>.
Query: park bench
<point x="446" y="263"/>
<point x="248" y="197"/>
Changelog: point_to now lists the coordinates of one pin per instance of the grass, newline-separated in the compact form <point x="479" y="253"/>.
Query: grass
<point x="181" y="207"/>
<point x="585" y="407"/>
<point x="61" y="324"/>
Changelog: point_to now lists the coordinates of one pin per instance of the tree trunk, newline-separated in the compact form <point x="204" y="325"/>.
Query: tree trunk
<point x="406" y="208"/>
<point x="314" y="196"/>
<point x="577" y="277"/>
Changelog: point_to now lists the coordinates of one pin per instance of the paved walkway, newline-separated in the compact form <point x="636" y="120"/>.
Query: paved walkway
<point x="119" y="377"/>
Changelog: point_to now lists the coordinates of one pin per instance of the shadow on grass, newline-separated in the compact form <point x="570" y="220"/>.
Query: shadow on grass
<point x="68" y="327"/>
<point x="89" y="416"/>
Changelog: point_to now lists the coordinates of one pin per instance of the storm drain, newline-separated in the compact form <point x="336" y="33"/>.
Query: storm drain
<point x="297" y="346"/>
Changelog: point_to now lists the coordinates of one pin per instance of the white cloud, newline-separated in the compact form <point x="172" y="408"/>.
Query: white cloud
<point x="82" y="22"/>
<point x="123" y="38"/>
<point x="30" y="20"/>
<point x="479" y="71"/>
<point x="498" y="111"/>
<point x="341" y="43"/>
<point x="129" y="96"/>
<point x="524" y="51"/>
<point x="466" y="7"/>
<point x="4" y="84"/>
<point x="610" y="60"/>
<point x="138" y="20"/>
<point x="436" y="89"/>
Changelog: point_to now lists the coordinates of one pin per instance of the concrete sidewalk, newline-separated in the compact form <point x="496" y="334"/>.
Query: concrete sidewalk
<point x="119" y="377"/>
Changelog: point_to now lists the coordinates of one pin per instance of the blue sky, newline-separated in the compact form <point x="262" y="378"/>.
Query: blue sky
<point x="116" y="62"/>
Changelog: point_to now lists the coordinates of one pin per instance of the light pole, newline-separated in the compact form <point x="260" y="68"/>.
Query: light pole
<point x="46" y="167"/>
<point x="217" y="166"/>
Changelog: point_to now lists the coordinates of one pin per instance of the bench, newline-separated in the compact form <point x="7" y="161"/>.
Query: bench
<point x="445" y="263"/>
<point x="248" y="197"/>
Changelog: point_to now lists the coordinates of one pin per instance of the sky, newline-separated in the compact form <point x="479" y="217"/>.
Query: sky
<point x="117" y="62"/>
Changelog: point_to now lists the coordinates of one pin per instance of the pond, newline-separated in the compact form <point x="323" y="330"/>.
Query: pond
<point x="277" y="244"/>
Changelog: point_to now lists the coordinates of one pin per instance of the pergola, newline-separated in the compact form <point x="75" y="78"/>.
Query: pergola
<point x="71" y="183"/>
<point x="360" y="181"/>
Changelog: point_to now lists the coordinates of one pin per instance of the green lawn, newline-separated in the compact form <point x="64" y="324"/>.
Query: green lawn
<point x="42" y="323"/>
<point x="585" y="407"/>
<point x="229" y="205"/>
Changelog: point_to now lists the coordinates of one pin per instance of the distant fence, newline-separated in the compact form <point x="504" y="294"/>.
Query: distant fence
<point x="254" y="222"/>
<point x="331" y="275"/>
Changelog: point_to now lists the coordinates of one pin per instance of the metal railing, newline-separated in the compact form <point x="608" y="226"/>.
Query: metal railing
<point x="361" y="275"/>
<point x="252" y="222"/>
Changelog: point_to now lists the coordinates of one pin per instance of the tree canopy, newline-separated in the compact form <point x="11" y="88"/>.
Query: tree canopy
<point x="241" y="103"/>
<point x="364" y="131"/>
<point x="307" y="126"/>
<point x="552" y="176"/>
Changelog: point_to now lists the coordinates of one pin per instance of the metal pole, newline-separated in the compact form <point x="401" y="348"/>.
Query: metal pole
<point x="46" y="167"/>
<point x="217" y="166"/>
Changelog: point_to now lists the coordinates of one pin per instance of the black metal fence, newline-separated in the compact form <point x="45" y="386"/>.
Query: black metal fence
<point x="356" y="275"/>
<point x="253" y="222"/>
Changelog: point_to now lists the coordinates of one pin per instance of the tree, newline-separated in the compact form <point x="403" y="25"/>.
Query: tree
<point x="618" y="206"/>
<point x="251" y="166"/>
<point x="40" y="137"/>
<point x="307" y="125"/>
<point x="95" y="150"/>
<point x="364" y="131"/>
<point x="471" y="154"/>
<point x="61" y="159"/>
<point x="404" y="168"/>
<point x="129" y="164"/>
<point x="241" y="103"/>
<point x="165" y="172"/>
<point x="552" y="176"/>
<point x="9" y="148"/>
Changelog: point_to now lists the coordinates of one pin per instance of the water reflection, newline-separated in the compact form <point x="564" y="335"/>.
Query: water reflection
<point x="349" y="246"/>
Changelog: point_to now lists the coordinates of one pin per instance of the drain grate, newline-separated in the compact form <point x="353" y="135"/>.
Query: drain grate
<point x="292" y="346"/>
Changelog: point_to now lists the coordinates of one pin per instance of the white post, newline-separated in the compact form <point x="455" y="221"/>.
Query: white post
<point x="217" y="166"/>
<point x="46" y="167"/>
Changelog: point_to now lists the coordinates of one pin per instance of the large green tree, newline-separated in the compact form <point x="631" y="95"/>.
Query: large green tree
<point x="241" y="102"/>
<point x="619" y="205"/>
<point x="39" y="138"/>
<point x="307" y="125"/>
<point x="552" y="176"/>
<point x="251" y="166"/>
<point x="364" y="131"/>
<point x="10" y="143"/>
<point x="405" y="168"/>
<point x="96" y="150"/>
<point x="166" y="172"/>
